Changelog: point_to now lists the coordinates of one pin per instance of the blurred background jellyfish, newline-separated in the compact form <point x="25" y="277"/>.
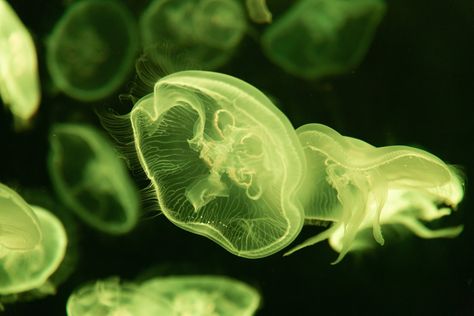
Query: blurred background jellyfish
<point x="201" y="295"/>
<point x="201" y="34"/>
<point x="91" y="179"/>
<point x="258" y="11"/>
<point x="25" y="270"/>
<point x="224" y="162"/>
<point x="92" y="49"/>
<point x="19" y="225"/>
<point x="19" y="81"/>
<point x="112" y="298"/>
<point x="358" y="186"/>
<point x="317" y="38"/>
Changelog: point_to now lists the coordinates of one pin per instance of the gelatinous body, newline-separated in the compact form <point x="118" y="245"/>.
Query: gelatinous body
<point x="358" y="186"/>
<point x="91" y="179"/>
<point x="111" y="298"/>
<point x="19" y="82"/>
<point x="316" y="38"/>
<point x="19" y="227"/>
<point x="258" y="11"/>
<point x="24" y="270"/>
<point x="224" y="161"/>
<point x="204" y="295"/>
<point x="197" y="33"/>
<point x="92" y="48"/>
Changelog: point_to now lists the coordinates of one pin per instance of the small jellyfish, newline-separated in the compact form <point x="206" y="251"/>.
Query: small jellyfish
<point x="358" y="186"/>
<point x="224" y="162"/>
<point x="317" y="38"/>
<point x="202" y="295"/>
<point x="25" y="270"/>
<point x="91" y="50"/>
<point x="112" y="298"/>
<point x="91" y="179"/>
<point x="19" y="226"/>
<point x="19" y="81"/>
<point x="199" y="33"/>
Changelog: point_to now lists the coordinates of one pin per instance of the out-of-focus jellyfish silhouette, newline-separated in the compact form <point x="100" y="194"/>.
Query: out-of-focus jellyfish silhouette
<point x="19" y="81"/>
<point x="358" y="186"/>
<point x="19" y="226"/>
<point x="91" y="179"/>
<point x="204" y="295"/>
<point x="225" y="163"/>
<point x="196" y="33"/>
<point x="316" y="38"/>
<point x="112" y="298"/>
<point x="92" y="49"/>
<point x="25" y="270"/>
<point x="258" y="11"/>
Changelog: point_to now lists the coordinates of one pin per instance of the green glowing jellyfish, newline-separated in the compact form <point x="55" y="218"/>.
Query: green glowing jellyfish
<point x="316" y="38"/>
<point x="224" y="161"/>
<point x="358" y="186"/>
<point x="112" y="298"/>
<point x="91" y="179"/>
<point x="19" y="226"/>
<point x="92" y="48"/>
<point x="258" y="11"/>
<point x="19" y="82"/>
<point x="198" y="33"/>
<point x="204" y="295"/>
<point x="24" y="270"/>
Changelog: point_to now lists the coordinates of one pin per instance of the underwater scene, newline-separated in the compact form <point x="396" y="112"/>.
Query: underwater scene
<point x="236" y="157"/>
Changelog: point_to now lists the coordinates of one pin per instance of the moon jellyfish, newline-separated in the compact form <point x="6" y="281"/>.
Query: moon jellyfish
<point x="19" y="82"/>
<point x="111" y="298"/>
<point x="201" y="33"/>
<point x="358" y="186"/>
<point x="19" y="226"/>
<point x="258" y="11"/>
<point x="316" y="38"/>
<point x="24" y="270"/>
<point x="91" y="50"/>
<point x="91" y="179"/>
<point x="225" y="163"/>
<point x="204" y="295"/>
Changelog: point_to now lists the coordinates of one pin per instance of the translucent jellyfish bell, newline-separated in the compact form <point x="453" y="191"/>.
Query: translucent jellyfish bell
<point x="19" y="82"/>
<point x="358" y="186"/>
<point x="224" y="161"/>
<point x="201" y="33"/>
<point x="24" y="270"/>
<point x="316" y="38"/>
<point x="204" y="295"/>
<point x="91" y="180"/>
<point x="19" y="226"/>
<point x="92" y="48"/>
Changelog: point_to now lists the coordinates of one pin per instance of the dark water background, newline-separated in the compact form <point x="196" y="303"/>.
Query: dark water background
<point x="415" y="87"/>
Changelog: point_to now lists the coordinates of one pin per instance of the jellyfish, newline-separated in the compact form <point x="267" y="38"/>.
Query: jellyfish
<point x="224" y="162"/>
<point x="317" y="38"/>
<point x="258" y="11"/>
<point x="19" y="226"/>
<point x="196" y="33"/>
<point x="19" y="81"/>
<point x="91" y="179"/>
<point x="25" y="270"/>
<point x="91" y="50"/>
<point x="202" y="295"/>
<point x="110" y="297"/>
<point x="358" y="186"/>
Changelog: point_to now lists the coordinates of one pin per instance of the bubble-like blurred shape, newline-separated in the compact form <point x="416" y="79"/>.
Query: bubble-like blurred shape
<point x="204" y="295"/>
<point x="19" y="81"/>
<point x="200" y="34"/>
<point x="19" y="226"/>
<point x="91" y="179"/>
<point x="112" y="298"/>
<point x="92" y="49"/>
<point x="358" y="186"/>
<point x="224" y="161"/>
<point x="316" y="38"/>
<point x="25" y="270"/>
